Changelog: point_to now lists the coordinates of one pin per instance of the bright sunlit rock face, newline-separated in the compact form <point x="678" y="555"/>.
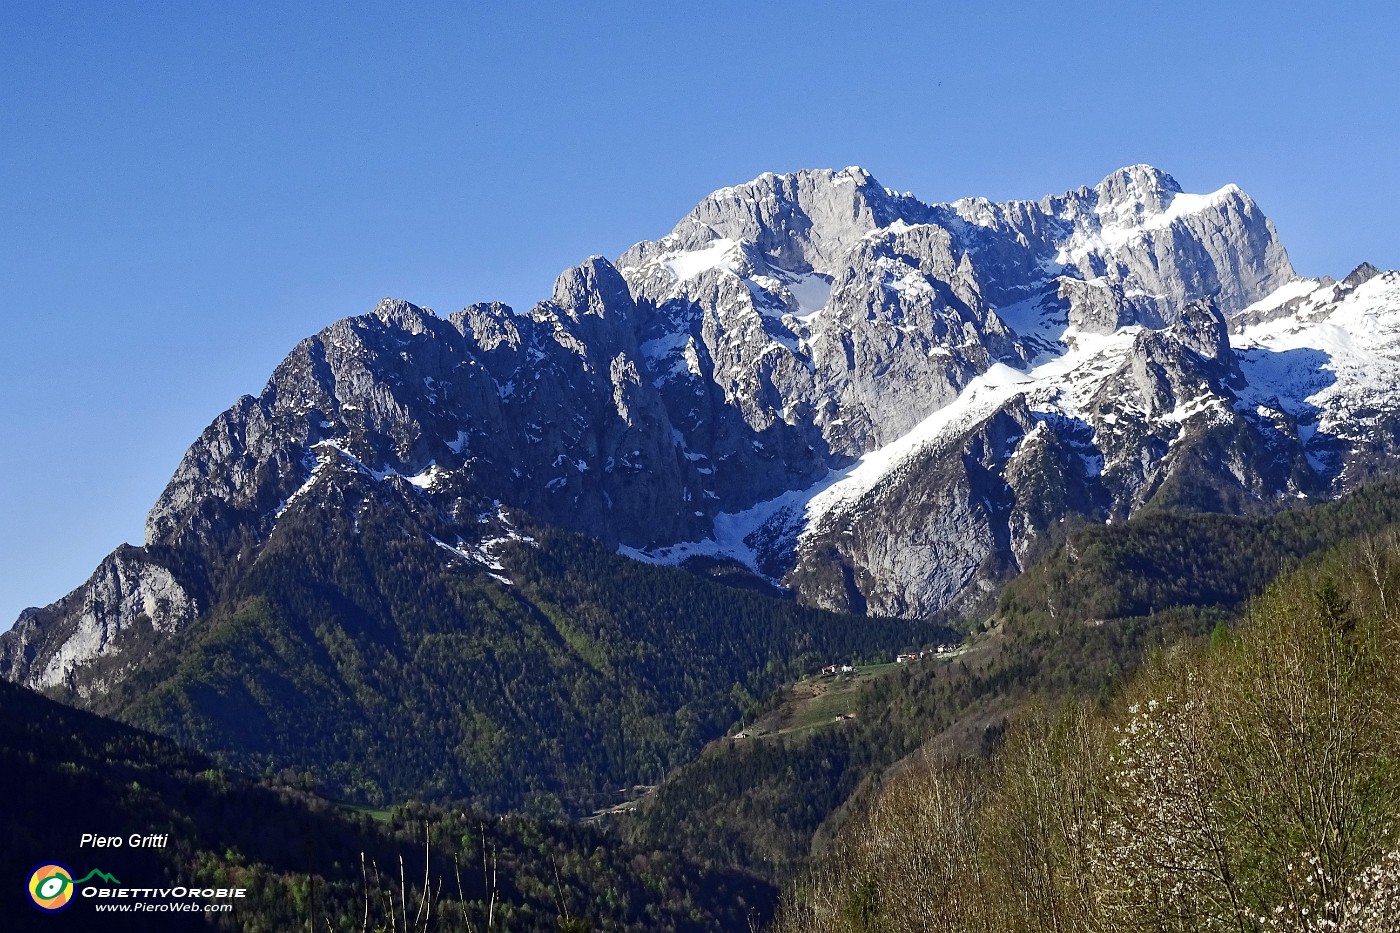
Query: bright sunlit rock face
<point x="877" y="403"/>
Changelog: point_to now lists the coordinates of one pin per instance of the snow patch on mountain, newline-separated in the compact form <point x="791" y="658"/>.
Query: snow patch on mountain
<point x="1112" y="233"/>
<point x="428" y="478"/>
<point x="1281" y="296"/>
<point x="486" y="552"/>
<point x="1331" y="361"/>
<point x="1059" y="386"/>
<point x="811" y="292"/>
<point x="1335" y="356"/>
<point x="732" y="538"/>
<point x="687" y="264"/>
<point x="324" y="454"/>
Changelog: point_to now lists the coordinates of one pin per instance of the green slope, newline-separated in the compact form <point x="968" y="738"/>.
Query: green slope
<point x="68" y="772"/>
<point x="1119" y="592"/>
<point x="1159" y="561"/>
<point x="1247" y="782"/>
<point x="387" y="668"/>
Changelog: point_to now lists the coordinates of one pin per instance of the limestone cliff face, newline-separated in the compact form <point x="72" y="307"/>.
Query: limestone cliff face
<point x="98" y="628"/>
<point x="878" y="403"/>
<point x="1133" y="249"/>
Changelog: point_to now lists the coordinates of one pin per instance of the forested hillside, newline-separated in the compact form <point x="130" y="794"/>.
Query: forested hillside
<point x="307" y="863"/>
<point x="1118" y="592"/>
<point x="387" y="669"/>
<point x="1164" y="560"/>
<point x="1247" y="781"/>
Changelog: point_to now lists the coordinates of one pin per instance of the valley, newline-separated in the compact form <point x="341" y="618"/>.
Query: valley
<point x="574" y="572"/>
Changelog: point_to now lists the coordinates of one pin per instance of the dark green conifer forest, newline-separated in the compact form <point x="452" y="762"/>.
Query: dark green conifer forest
<point x="1133" y="696"/>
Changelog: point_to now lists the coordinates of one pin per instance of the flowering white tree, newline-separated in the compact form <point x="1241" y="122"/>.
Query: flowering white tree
<point x="1162" y="852"/>
<point x="1309" y="745"/>
<point x="1369" y="903"/>
<point x="1250" y="786"/>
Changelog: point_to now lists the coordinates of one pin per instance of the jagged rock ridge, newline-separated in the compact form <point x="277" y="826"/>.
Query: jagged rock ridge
<point x="881" y="404"/>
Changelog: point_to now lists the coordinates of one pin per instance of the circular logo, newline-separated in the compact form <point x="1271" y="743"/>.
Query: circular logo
<point x="51" y="887"/>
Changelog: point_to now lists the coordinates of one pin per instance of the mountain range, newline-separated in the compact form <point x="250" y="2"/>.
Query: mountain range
<point x="868" y="411"/>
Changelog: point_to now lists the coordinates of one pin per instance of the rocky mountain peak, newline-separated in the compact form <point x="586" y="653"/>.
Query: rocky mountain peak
<point x="1360" y="275"/>
<point x="1133" y="193"/>
<point x="593" y="288"/>
<point x="402" y="314"/>
<point x="849" y="391"/>
<point x="801" y="221"/>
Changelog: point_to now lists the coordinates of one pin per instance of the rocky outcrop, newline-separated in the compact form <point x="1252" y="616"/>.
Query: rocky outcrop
<point x="1134" y="249"/>
<point x="918" y="539"/>
<point x="93" y="635"/>
<point x="880" y="404"/>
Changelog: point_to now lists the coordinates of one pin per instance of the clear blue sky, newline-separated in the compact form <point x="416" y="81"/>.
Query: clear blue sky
<point x="187" y="189"/>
